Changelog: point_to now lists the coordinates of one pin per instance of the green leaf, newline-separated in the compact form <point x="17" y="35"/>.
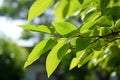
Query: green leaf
<point x="84" y="57"/>
<point x="56" y="55"/>
<point x="82" y="43"/>
<point x="66" y="8"/>
<point x="92" y="15"/>
<point x="38" y="7"/>
<point x="73" y="7"/>
<point x="40" y="28"/>
<point x="40" y="49"/>
<point x="73" y="41"/>
<point x="117" y="25"/>
<point x="75" y="60"/>
<point x="86" y="2"/>
<point x="60" y="10"/>
<point x="104" y="21"/>
<point x="86" y="26"/>
<point x="64" y="28"/>
<point x="103" y="4"/>
<point x="74" y="63"/>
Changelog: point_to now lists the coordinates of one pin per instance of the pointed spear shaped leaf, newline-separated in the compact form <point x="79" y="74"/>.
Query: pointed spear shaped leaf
<point x="40" y="28"/>
<point x="66" y="8"/>
<point x="40" y="49"/>
<point x="74" y="63"/>
<point x="86" y="26"/>
<point x="64" y="28"/>
<point x="38" y="7"/>
<point x="56" y="55"/>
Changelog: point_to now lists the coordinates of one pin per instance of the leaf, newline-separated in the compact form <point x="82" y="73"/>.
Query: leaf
<point x="73" y="41"/>
<point x="38" y="7"/>
<point x="117" y="25"/>
<point x="75" y="60"/>
<point x="60" y="10"/>
<point x="56" y="55"/>
<point x="82" y="43"/>
<point x="92" y="15"/>
<point x="64" y="28"/>
<point x="40" y="49"/>
<point x="86" y="2"/>
<point x="104" y="21"/>
<point x="66" y="8"/>
<point x="84" y="57"/>
<point x="103" y="4"/>
<point x="73" y="7"/>
<point x="74" y="63"/>
<point x="86" y="26"/>
<point x="40" y="28"/>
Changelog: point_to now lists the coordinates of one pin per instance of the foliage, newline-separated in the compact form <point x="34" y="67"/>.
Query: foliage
<point x="95" y="42"/>
<point x="12" y="58"/>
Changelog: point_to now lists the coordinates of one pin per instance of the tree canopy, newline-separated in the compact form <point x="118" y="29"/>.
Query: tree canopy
<point x="96" y="42"/>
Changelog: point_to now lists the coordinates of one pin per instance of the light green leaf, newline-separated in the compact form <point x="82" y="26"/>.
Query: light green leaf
<point x="40" y="28"/>
<point x="73" y="41"/>
<point x="82" y="43"/>
<point x="64" y="28"/>
<point x="60" y="10"/>
<point x="73" y="7"/>
<point x="66" y="8"/>
<point x="38" y="7"/>
<point x="104" y="21"/>
<point x="74" y="63"/>
<point x="85" y="57"/>
<point x="117" y="25"/>
<point x="86" y="26"/>
<point x="92" y="15"/>
<point x="40" y="49"/>
<point x="56" y="55"/>
<point x="86" y="2"/>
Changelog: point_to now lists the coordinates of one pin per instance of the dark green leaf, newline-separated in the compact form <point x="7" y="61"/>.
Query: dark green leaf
<point x="82" y="43"/>
<point x="103" y="4"/>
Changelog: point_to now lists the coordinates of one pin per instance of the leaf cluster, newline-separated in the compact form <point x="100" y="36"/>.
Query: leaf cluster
<point x="95" y="42"/>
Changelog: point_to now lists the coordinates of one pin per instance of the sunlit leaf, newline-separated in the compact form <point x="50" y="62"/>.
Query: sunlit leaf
<point x="40" y="49"/>
<point x="40" y="28"/>
<point x="104" y="21"/>
<point x="66" y="8"/>
<point x="38" y="7"/>
<point x="85" y="57"/>
<point x="56" y="55"/>
<point x="86" y="26"/>
<point x="60" y="10"/>
<point x="64" y="28"/>
<point x="92" y="15"/>
<point x="117" y="25"/>
<point x="74" y="62"/>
